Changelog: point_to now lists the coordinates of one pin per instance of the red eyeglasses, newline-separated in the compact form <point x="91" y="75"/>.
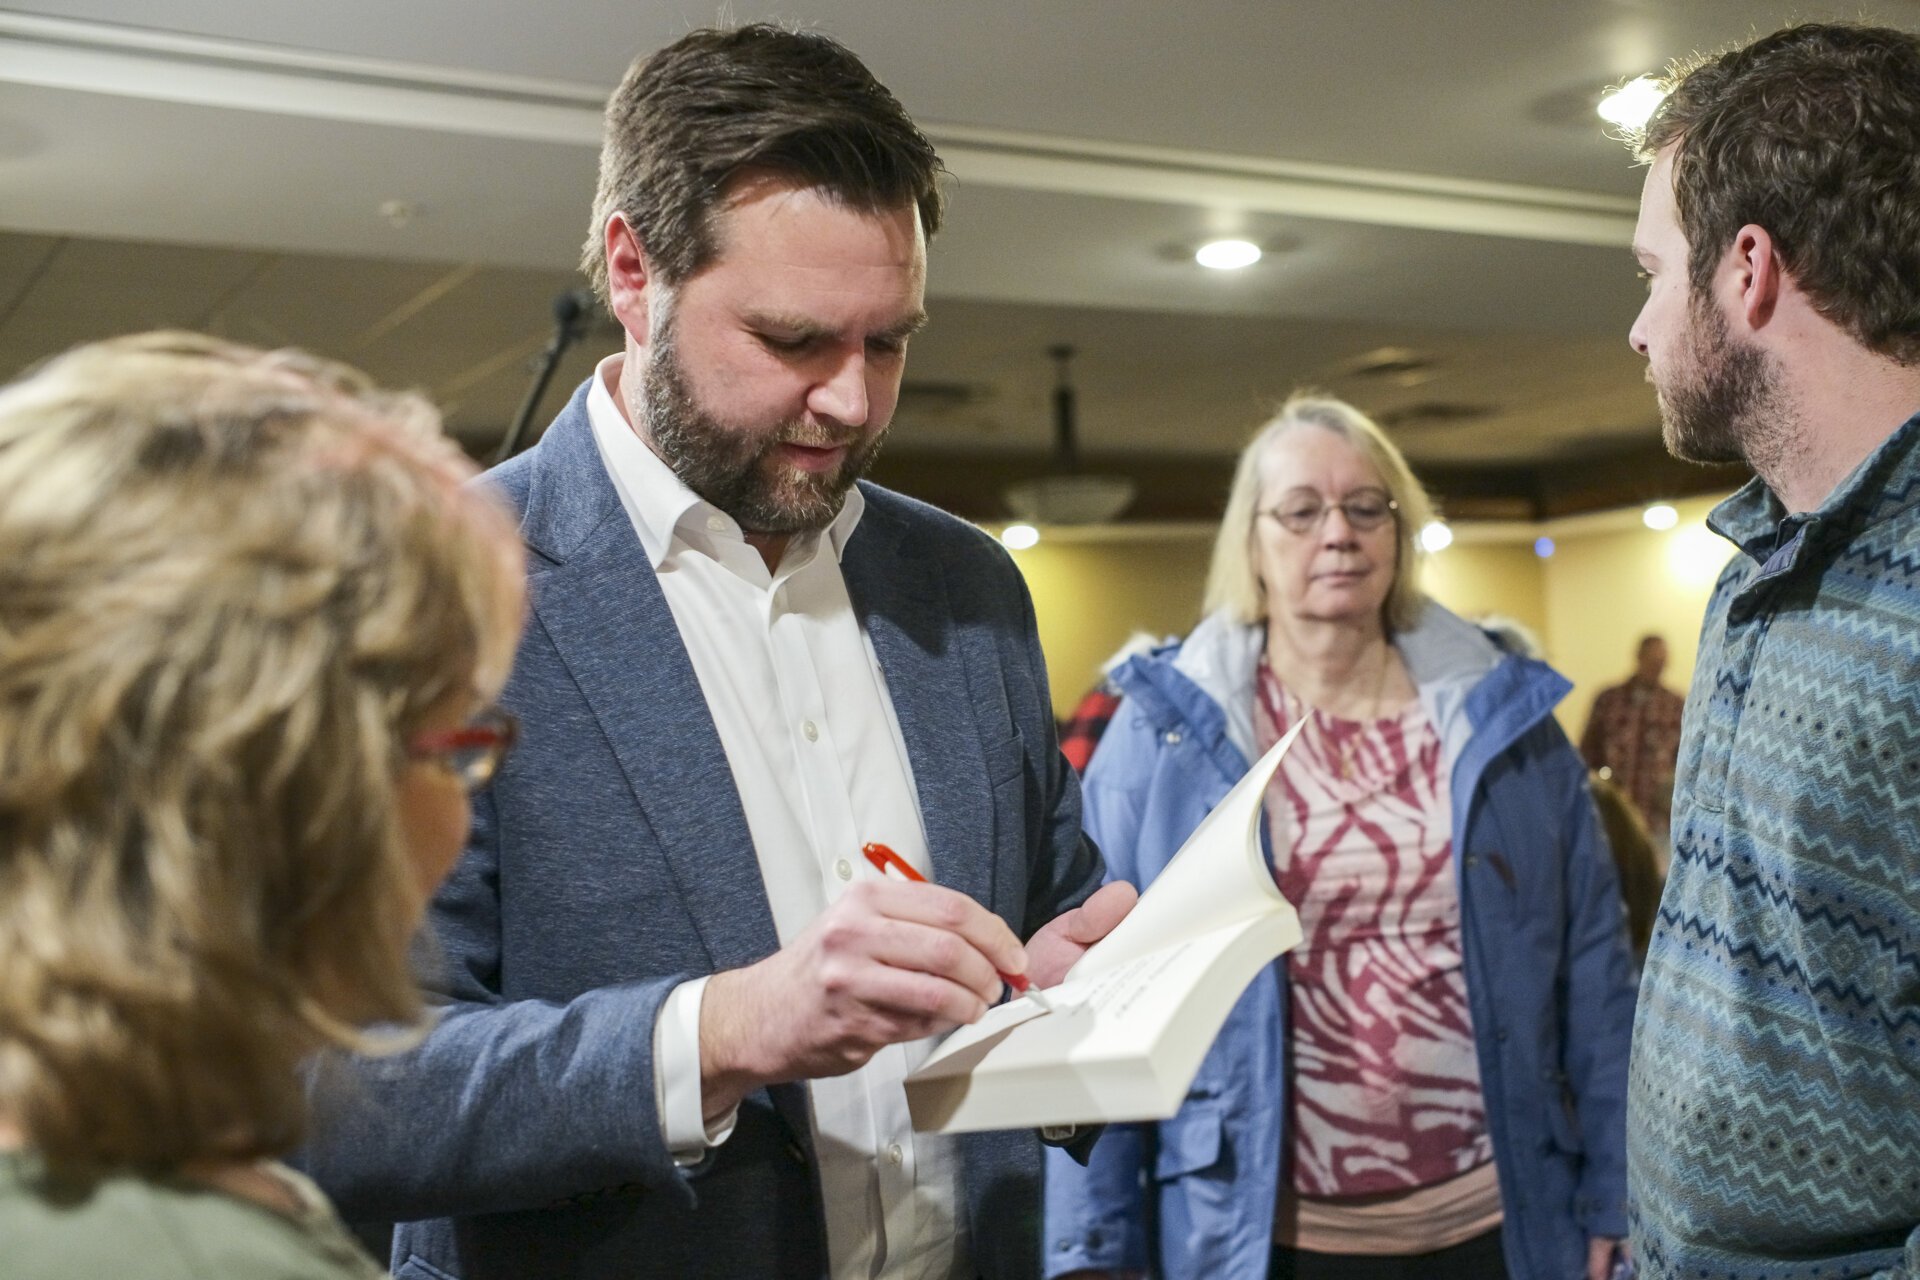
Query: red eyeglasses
<point x="474" y="752"/>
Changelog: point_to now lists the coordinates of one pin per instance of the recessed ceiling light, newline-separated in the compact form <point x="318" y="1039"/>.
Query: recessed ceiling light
<point x="1436" y="536"/>
<point x="1227" y="255"/>
<point x="1660" y="517"/>
<point x="1018" y="537"/>
<point x="398" y="213"/>
<point x="1632" y="104"/>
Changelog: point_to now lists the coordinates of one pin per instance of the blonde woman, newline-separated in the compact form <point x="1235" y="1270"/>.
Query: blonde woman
<point x="1432" y="1085"/>
<point x="250" y="625"/>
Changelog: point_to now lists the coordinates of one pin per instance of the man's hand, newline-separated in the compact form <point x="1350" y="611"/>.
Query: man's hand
<point x="1600" y="1251"/>
<point x="890" y="962"/>
<point x="1064" y="939"/>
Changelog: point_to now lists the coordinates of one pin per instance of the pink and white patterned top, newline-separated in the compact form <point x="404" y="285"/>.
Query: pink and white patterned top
<point x="1384" y="1086"/>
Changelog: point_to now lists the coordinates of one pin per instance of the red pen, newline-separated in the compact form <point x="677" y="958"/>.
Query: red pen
<point x="882" y="857"/>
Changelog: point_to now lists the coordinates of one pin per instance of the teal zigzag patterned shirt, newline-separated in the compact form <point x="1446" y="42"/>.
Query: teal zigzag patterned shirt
<point x="1773" y="1126"/>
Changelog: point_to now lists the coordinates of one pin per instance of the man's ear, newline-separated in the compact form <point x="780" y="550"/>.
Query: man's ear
<point x="629" y="278"/>
<point x="1754" y="276"/>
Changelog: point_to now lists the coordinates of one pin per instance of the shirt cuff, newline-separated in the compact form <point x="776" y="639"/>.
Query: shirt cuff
<point x="676" y="1078"/>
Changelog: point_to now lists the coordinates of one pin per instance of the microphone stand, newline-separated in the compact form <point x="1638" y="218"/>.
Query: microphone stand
<point x="570" y="314"/>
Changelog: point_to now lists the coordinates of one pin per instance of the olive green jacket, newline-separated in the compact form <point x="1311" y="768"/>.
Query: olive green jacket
<point x="159" y="1229"/>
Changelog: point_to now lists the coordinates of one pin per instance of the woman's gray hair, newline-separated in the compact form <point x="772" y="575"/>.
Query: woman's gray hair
<point x="1233" y="578"/>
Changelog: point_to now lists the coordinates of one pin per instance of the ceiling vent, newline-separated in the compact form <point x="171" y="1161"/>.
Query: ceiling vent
<point x="1425" y="414"/>
<point x="942" y="397"/>
<point x="1398" y="363"/>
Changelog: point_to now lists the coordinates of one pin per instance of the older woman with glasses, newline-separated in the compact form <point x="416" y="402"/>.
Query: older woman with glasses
<point x="250" y="623"/>
<point x="1432" y="1084"/>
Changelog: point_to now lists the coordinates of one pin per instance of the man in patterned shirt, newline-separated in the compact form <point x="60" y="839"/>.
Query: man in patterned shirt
<point x="1633" y="735"/>
<point x="1774" y="1096"/>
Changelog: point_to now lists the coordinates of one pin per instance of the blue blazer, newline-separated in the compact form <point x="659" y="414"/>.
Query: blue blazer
<point x="611" y="861"/>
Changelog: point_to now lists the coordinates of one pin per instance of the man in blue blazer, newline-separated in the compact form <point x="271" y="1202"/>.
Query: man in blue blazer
<point x="679" y="1002"/>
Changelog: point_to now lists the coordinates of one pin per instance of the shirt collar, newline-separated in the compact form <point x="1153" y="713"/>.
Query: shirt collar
<point x="659" y="503"/>
<point x="1754" y="519"/>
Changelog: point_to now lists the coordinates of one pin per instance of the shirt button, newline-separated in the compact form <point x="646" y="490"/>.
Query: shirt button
<point x="811" y="729"/>
<point x="843" y="869"/>
<point x="717" y="523"/>
<point x="895" y="1155"/>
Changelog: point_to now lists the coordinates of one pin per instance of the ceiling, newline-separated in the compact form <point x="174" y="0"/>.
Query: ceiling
<point x="405" y="187"/>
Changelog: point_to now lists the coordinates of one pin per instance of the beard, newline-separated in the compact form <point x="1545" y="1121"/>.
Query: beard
<point x="738" y="469"/>
<point x="1728" y="405"/>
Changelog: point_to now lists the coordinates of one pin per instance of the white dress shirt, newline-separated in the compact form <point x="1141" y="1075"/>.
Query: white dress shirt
<point x="817" y="756"/>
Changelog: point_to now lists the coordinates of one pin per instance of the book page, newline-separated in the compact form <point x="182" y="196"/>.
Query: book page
<point x="1218" y="877"/>
<point x="1117" y="992"/>
<point x="1121" y="1045"/>
<point x="1116" y="1012"/>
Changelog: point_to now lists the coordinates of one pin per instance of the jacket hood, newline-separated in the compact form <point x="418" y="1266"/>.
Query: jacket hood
<point x="1469" y="687"/>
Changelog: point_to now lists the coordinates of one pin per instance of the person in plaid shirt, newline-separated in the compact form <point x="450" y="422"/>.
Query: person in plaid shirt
<point x="1633" y="735"/>
<point x="1080" y="732"/>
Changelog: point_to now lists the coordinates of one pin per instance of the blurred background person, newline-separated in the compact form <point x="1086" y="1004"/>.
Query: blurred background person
<point x="1633" y="736"/>
<point x="1462" y="992"/>
<point x="1635" y="859"/>
<point x="250" y="624"/>
<point x="1081" y="731"/>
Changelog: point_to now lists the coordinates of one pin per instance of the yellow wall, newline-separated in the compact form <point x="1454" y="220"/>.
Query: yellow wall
<point x="1089" y="596"/>
<point x="1506" y="578"/>
<point x="1606" y="590"/>
<point x="1588" y="604"/>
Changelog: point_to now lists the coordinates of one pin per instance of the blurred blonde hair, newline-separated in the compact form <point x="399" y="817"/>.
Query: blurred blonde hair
<point x="1233" y="577"/>
<point x="231" y="581"/>
<point x="1634" y="858"/>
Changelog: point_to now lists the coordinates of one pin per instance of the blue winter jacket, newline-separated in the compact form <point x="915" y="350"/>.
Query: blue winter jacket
<point x="1546" y="960"/>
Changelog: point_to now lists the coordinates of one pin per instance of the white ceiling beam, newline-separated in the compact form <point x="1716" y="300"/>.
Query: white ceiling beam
<point x="1339" y="193"/>
<point x="131" y="62"/>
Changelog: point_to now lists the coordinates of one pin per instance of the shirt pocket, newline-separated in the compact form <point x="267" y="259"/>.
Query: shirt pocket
<point x="1563" y="1121"/>
<point x="1193" y="1141"/>
<point x="418" y="1268"/>
<point x="1006" y="758"/>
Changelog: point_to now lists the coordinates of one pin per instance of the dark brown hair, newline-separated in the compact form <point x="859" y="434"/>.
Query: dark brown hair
<point x="687" y="120"/>
<point x="1814" y="134"/>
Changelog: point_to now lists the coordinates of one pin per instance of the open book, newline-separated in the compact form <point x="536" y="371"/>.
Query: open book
<point x="1132" y="1020"/>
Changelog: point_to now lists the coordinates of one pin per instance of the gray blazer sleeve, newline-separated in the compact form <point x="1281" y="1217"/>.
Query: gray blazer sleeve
<point x="506" y="1104"/>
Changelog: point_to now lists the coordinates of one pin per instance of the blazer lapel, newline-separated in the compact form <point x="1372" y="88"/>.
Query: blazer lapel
<point x="902" y="603"/>
<point x="601" y="603"/>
